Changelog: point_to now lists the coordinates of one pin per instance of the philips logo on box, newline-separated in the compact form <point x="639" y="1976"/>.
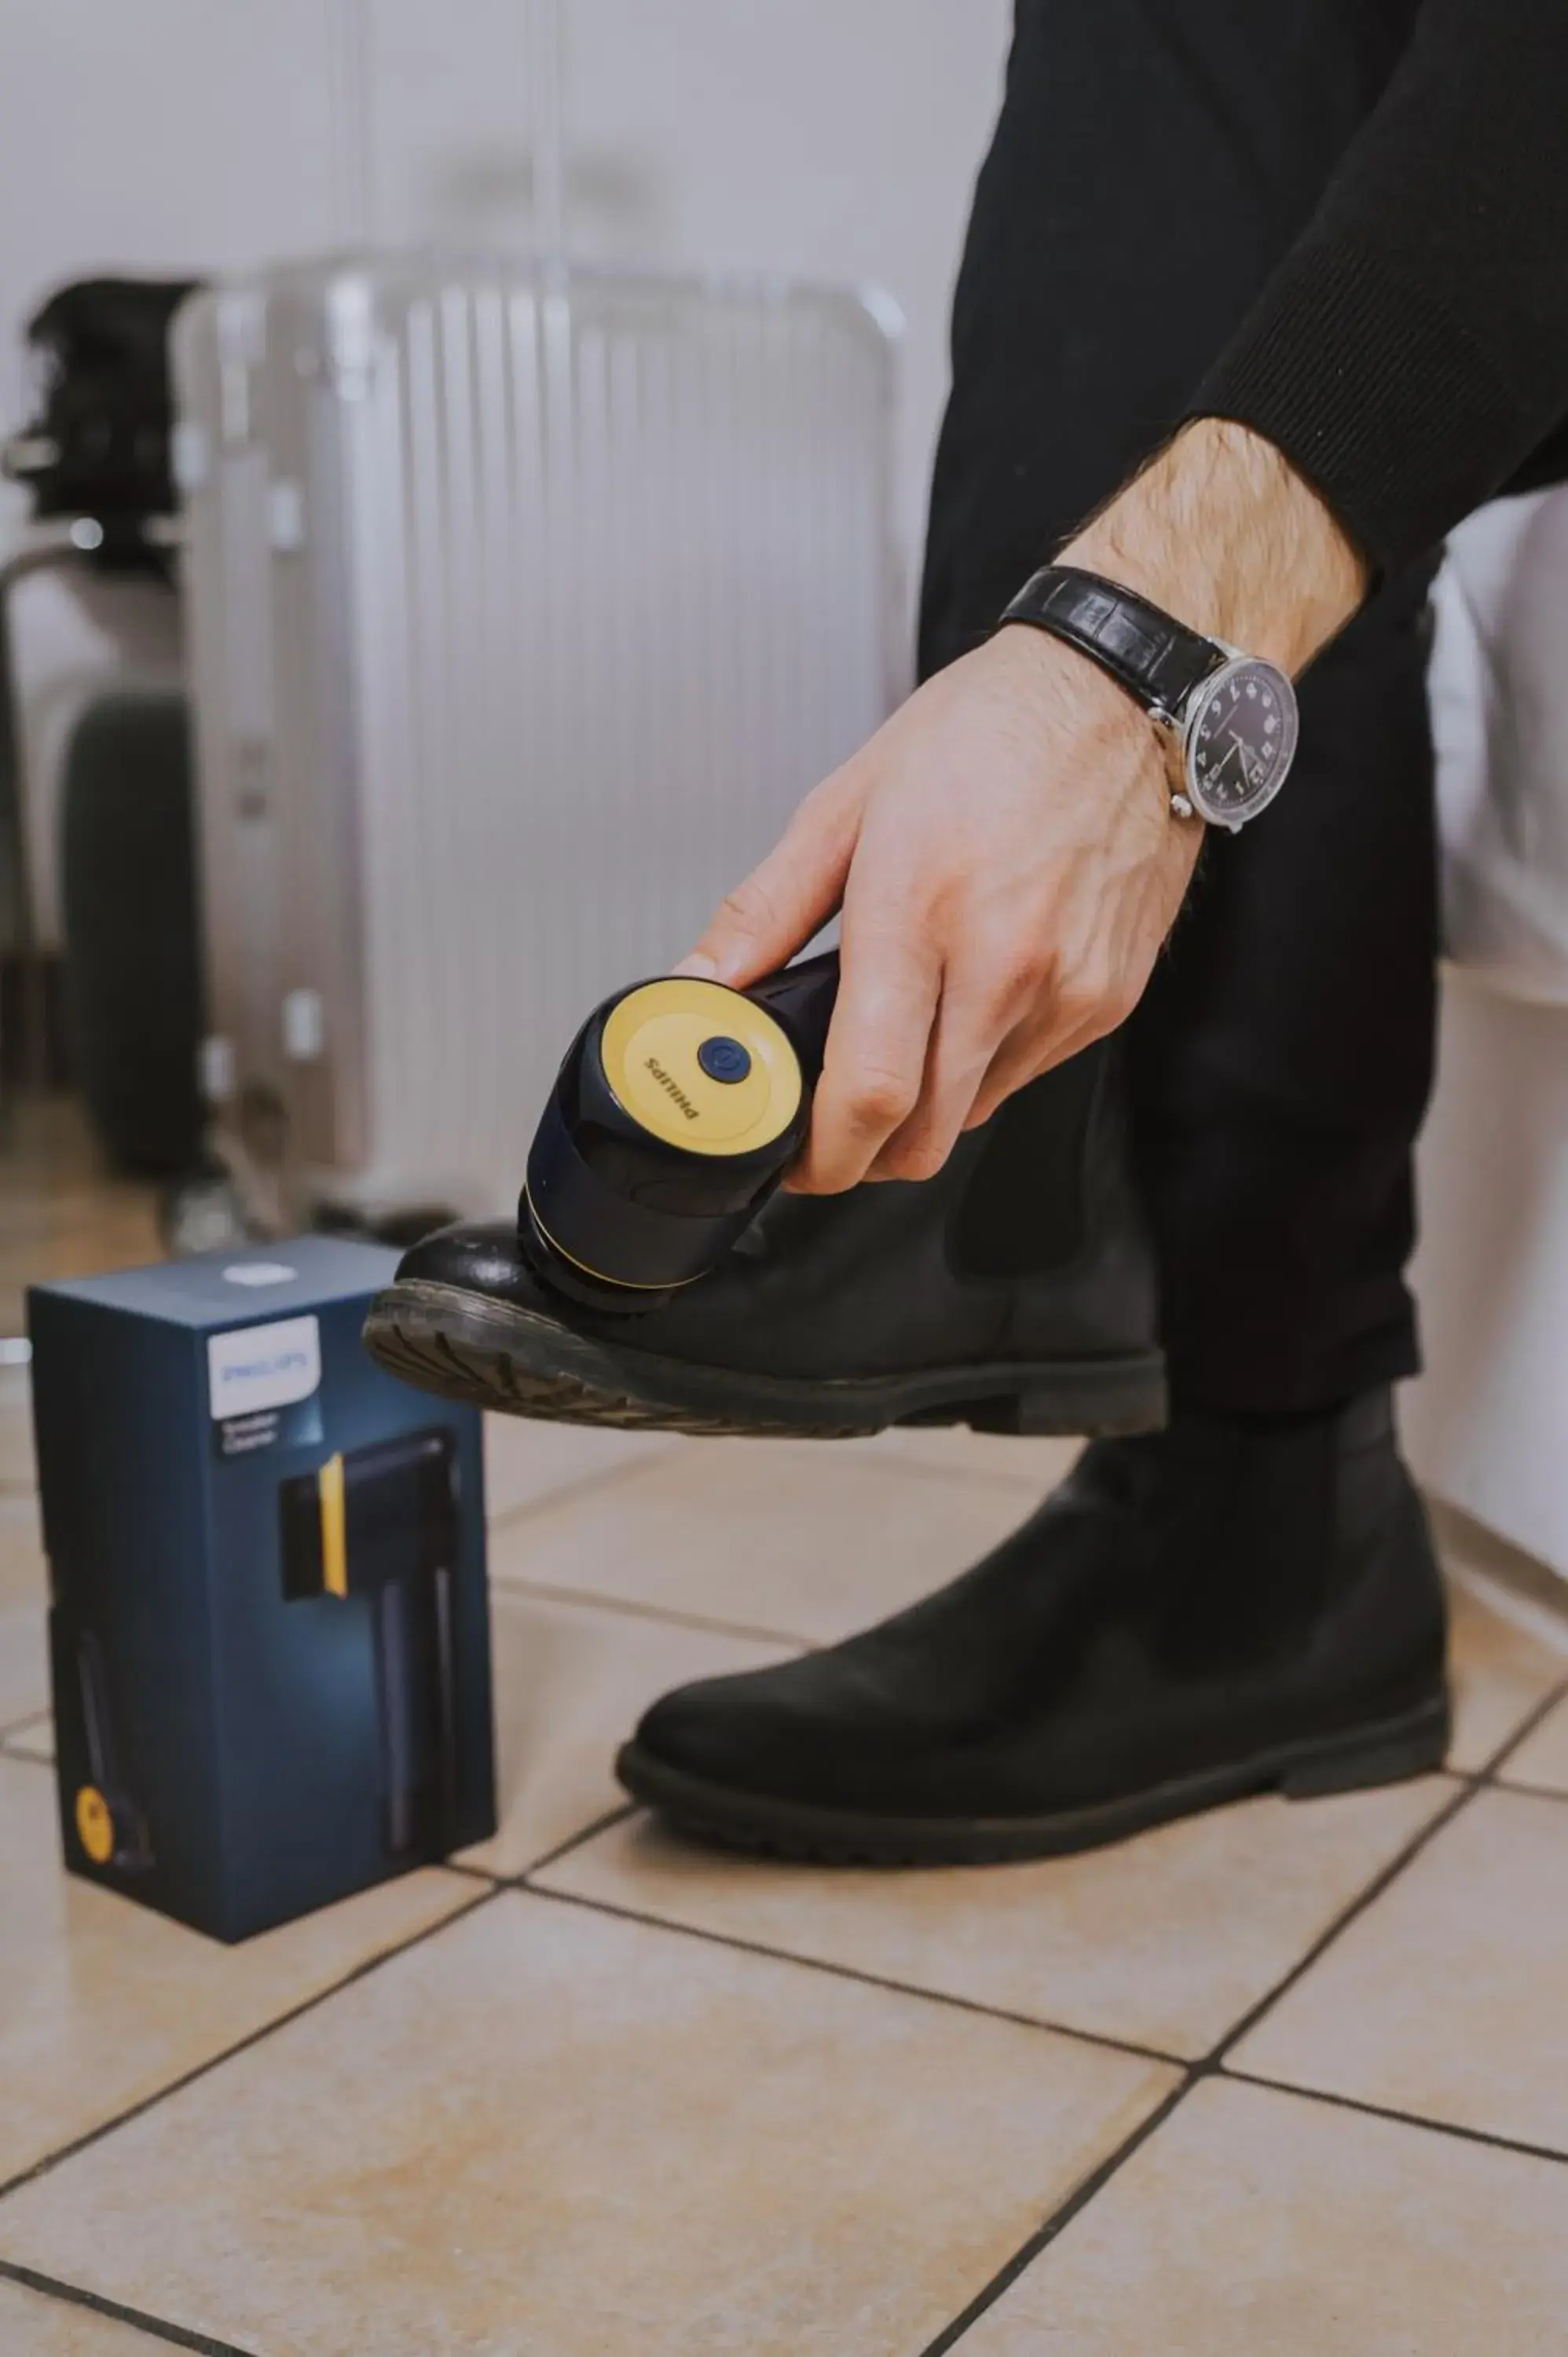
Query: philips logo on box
<point x="262" y="1366"/>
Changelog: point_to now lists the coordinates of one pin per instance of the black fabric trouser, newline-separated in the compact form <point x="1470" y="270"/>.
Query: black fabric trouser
<point x="1151" y="159"/>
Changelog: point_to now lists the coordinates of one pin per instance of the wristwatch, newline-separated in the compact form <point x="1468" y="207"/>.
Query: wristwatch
<point x="1233" y="717"/>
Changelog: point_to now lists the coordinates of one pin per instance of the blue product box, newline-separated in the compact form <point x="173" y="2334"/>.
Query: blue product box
<point x="268" y="1627"/>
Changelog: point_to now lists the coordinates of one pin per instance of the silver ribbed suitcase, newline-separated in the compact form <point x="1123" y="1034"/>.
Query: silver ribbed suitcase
<point x="524" y="605"/>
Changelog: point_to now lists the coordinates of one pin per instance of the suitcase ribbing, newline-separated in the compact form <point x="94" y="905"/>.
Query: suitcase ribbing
<point x="525" y="607"/>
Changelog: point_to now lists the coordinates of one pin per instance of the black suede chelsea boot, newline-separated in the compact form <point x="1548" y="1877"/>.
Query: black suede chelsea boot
<point x="1219" y="1610"/>
<point x="1015" y="1292"/>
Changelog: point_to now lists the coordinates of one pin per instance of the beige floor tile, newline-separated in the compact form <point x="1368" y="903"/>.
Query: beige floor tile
<point x="526" y="1462"/>
<point x="24" y="1596"/>
<point x="572" y="1681"/>
<point x="17" y="1469"/>
<point x="62" y="1214"/>
<point x="1542" y="1758"/>
<point x="34" y="2325"/>
<point x="33" y="1738"/>
<point x="23" y="1572"/>
<point x="764" y="1536"/>
<point x="548" y="2130"/>
<point x="103" y="2002"/>
<point x="1501" y="1672"/>
<point x="23" y="1661"/>
<point x="1446" y="1998"/>
<point x="1256" y="2224"/>
<point x="1166" y="1940"/>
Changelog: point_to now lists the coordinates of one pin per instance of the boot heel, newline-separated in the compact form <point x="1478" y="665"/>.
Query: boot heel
<point x="1416" y="1746"/>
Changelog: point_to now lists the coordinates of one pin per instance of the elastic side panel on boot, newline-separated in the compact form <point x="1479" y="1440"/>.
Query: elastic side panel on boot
<point x="1022" y="1212"/>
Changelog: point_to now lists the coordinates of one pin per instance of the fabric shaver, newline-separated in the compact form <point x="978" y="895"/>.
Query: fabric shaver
<point x="679" y="1108"/>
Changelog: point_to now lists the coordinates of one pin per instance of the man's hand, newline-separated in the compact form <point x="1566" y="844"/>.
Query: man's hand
<point x="1003" y="849"/>
<point x="1008" y="869"/>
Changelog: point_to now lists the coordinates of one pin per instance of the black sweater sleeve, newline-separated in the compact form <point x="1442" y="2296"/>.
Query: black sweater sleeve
<point x="1410" y="352"/>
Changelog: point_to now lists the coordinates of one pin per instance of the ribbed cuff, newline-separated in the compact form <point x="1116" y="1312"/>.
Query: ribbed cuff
<point x="1373" y="393"/>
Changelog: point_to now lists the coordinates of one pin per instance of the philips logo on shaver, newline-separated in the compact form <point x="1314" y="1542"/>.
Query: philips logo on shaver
<point x="262" y="1366"/>
<point x="671" y="1088"/>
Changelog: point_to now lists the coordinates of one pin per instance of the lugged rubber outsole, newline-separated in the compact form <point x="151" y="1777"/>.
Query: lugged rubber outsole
<point x="467" y="1347"/>
<point x="1385" y="1752"/>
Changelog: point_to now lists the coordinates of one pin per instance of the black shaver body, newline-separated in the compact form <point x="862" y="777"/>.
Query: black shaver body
<point x="679" y="1108"/>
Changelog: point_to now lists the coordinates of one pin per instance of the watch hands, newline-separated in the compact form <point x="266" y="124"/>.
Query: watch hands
<point x="1245" y="752"/>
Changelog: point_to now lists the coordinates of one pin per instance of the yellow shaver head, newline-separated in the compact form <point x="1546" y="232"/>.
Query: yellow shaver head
<point x="94" y="1824"/>
<point x="701" y="1067"/>
<point x="677" y="1112"/>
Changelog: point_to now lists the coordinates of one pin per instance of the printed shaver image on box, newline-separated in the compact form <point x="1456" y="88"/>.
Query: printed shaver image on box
<point x="269" y="1628"/>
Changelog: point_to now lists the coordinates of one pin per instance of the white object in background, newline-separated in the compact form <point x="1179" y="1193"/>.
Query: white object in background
<point x="1487" y="1425"/>
<point x="1499" y="686"/>
<point x="303" y="1025"/>
<point x="350" y="84"/>
<point x="595" y="576"/>
<point x="546" y="32"/>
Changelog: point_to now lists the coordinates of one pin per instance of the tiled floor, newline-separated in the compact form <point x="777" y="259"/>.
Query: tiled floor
<point x="61" y="1215"/>
<point x="1285" y="2082"/>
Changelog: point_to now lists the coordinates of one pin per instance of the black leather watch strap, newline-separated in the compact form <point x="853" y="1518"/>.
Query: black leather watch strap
<point x="1158" y="661"/>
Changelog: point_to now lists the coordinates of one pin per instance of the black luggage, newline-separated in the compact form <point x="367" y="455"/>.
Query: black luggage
<point x="99" y="446"/>
<point x="132" y="965"/>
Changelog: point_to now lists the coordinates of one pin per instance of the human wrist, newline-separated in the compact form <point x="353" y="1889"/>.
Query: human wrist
<point x="1223" y="534"/>
<point x="1049" y="678"/>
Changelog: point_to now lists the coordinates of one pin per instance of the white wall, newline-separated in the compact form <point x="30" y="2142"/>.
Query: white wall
<point x="1485" y="1426"/>
<point x="834" y="138"/>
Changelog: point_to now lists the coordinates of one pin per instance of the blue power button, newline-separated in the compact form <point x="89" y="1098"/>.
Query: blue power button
<point x="724" y="1059"/>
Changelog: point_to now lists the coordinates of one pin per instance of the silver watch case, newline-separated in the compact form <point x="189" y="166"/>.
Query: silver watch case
<point x="1183" y="725"/>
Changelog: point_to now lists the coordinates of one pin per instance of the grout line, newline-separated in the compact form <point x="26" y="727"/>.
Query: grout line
<point x="1496" y="1783"/>
<point x="601" y="1824"/>
<point x="1347" y="1915"/>
<point x="1103" y="2040"/>
<point x="474" y="1873"/>
<point x="597" y="1600"/>
<point x="1212" y="2065"/>
<point x="598" y="1824"/>
<point x="1096" y="2182"/>
<point x="1548" y="1624"/>
<point x="20" y="1726"/>
<point x="1391" y="2112"/>
<point x="1491" y="1768"/>
<point x="177" y="2335"/>
<point x="368" y="1964"/>
<point x="26" y="1758"/>
<point x="1056" y="2223"/>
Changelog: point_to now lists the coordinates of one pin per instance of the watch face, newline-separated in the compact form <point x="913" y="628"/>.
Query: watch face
<point x="1240" y="736"/>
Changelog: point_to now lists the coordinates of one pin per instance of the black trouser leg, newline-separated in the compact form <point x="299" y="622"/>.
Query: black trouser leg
<point x="1153" y="160"/>
<point x="1282" y="1057"/>
<point x="1280" y="1062"/>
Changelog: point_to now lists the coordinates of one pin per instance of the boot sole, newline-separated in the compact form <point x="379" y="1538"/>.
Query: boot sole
<point x="1386" y="1752"/>
<point x="441" y="1339"/>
